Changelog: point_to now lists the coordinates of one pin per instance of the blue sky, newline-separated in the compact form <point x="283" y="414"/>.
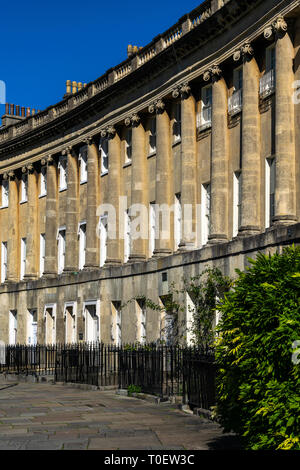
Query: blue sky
<point x="45" y="44"/>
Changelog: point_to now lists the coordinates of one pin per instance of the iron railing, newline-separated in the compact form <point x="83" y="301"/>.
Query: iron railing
<point x="156" y="369"/>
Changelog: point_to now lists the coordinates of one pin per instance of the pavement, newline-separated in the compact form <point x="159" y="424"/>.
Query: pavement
<point x="37" y="416"/>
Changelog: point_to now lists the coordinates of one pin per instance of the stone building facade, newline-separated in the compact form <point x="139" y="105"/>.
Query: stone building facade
<point x="204" y="117"/>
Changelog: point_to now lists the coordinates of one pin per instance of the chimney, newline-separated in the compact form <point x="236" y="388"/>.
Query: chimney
<point x="16" y="113"/>
<point x="12" y="114"/>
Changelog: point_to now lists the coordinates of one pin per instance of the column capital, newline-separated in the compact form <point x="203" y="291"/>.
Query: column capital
<point x="11" y="175"/>
<point x="30" y="168"/>
<point x="108" y="133"/>
<point x="68" y="150"/>
<point x="182" y="90"/>
<point x="132" y="120"/>
<point x="213" y="73"/>
<point x="89" y="140"/>
<point x="278" y="28"/>
<point x="244" y="52"/>
<point x="157" y="107"/>
<point x="49" y="160"/>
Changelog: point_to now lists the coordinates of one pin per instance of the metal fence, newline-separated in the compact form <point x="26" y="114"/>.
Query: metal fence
<point x="157" y="369"/>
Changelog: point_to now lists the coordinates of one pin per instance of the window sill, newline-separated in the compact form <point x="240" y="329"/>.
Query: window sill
<point x="204" y="127"/>
<point x="42" y="195"/>
<point x="23" y="202"/>
<point x="176" y="142"/>
<point x="4" y="207"/>
<point x="126" y="164"/>
<point x="104" y="173"/>
<point x="152" y="154"/>
<point x="83" y="182"/>
<point x="61" y="190"/>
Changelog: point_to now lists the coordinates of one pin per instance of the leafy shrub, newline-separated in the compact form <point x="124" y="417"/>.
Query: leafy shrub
<point x="258" y="383"/>
<point x="133" y="389"/>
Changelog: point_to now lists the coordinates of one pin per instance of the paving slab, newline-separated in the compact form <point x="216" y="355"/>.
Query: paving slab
<point x="53" y="417"/>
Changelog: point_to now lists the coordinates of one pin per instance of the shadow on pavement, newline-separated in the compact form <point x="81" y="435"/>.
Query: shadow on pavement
<point x="226" y="442"/>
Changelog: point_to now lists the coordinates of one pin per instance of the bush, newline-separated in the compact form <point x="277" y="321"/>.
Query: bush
<point x="258" y="383"/>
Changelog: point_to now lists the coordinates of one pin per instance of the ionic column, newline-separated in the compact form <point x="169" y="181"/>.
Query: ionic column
<point x="138" y="189"/>
<point x="251" y="166"/>
<point x="219" y="158"/>
<point x="114" y="250"/>
<point x="285" y="194"/>
<point x="13" y="251"/>
<point x="31" y="236"/>
<point x="71" y="261"/>
<point x="51" y="220"/>
<point x="92" y="241"/>
<point x="188" y="167"/>
<point x="163" y="244"/>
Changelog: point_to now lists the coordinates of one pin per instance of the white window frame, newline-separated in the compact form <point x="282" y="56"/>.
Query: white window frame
<point x="128" y="145"/>
<point x="43" y="181"/>
<point x="96" y="303"/>
<point x="24" y="188"/>
<point x="53" y="318"/>
<point x="205" y="212"/>
<point x="31" y="325"/>
<point x="190" y="312"/>
<point x="72" y="305"/>
<point x="205" y="115"/>
<point x="82" y="244"/>
<point x="83" y="164"/>
<point x="61" y="249"/>
<point x="116" y="323"/>
<point x="42" y="253"/>
<point x="13" y="327"/>
<point x="103" y="238"/>
<point x="152" y="136"/>
<point x="63" y="172"/>
<point x="237" y="201"/>
<point x="5" y="193"/>
<point x="152" y="228"/>
<point x="104" y="156"/>
<point x="127" y="236"/>
<point x="3" y="261"/>
<point x="270" y="181"/>
<point x="23" y="258"/>
<point x="141" y="321"/>
<point x="177" y="123"/>
<point x="177" y="221"/>
<point x="268" y="80"/>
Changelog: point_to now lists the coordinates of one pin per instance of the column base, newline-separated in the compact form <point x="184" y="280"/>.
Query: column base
<point x="186" y="246"/>
<point x="67" y="271"/>
<point x="12" y="281"/>
<point x="30" y="277"/>
<point x="136" y="259"/>
<point x="284" y="220"/>
<point x="248" y="230"/>
<point x="90" y="267"/>
<point x="111" y="262"/>
<point x="217" y="239"/>
<point x="50" y="275"/>
<point x="161" y="253"/>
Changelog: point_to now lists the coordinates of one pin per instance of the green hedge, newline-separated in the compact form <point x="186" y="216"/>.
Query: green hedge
<point x="258" y="383"/>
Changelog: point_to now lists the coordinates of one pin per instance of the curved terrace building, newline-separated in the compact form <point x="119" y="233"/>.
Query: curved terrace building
<point x="193" y="142"/>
